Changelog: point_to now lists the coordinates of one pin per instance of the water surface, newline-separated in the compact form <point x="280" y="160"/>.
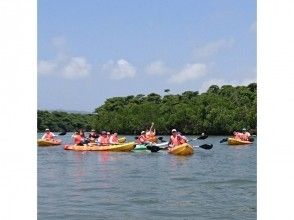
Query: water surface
<point x="211" y="184"/>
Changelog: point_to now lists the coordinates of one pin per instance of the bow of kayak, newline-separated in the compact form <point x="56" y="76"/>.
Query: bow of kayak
<point x="47" y="143"/>
<point x="233" y="141"/>
<point x="119" y="147"/>
<point x="183" y="150"/>
<point x="122" y="140"/>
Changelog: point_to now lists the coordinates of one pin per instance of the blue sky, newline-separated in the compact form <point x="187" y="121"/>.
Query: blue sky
<point x="92" y="50"/>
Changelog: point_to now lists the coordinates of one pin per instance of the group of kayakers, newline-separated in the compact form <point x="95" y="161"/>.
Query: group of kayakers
<point x="243" y="136"/>
<point x="146" y="137"/>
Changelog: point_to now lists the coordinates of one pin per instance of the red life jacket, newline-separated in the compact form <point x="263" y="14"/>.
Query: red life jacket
<point x="49" y="135"/>
<point x="113" y="139"/>
<point x="78" y="139"/>
<point x="103" y="140"/>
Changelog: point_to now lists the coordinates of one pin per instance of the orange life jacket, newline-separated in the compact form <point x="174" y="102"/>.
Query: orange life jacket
<point x="49" y="135"/>
<point x="113" y="139"/>
<point x="78" y="139"/>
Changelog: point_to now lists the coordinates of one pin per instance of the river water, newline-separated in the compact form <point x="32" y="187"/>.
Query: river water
<point x="211" y="184"/>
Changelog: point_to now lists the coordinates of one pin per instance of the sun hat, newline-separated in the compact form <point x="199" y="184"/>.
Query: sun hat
<point x="143" y="132"/>
<point x="92" y="130"/>
<point x="47" y="129"/>
<point x="174" y="130"/>
<point x="244" y="129"/>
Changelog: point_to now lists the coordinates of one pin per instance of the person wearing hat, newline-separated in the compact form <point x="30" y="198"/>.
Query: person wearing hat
<point x="143" y="138"/>
<point x="114" y="138"/>
<point x="48" y="135"/>
<point x="92" y="136"/>
<point x="245" y="135"/>
<point x="175" y="139"/>
<point x="103" y="139"/>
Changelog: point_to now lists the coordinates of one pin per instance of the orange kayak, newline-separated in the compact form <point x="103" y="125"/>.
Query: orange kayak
<point x="46" y="143"/>
<point x="119" y="147"/>
<point x="233" y="141"/>
<point x="183" y="150"/>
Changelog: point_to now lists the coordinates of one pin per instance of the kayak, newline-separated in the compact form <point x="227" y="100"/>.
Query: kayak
<point x="233" y="141"/>
<point x="46" y="143"/>
<point x="122" y="140"/>
<point x="144" y="147"/>
<point x="183" y="150"/>
<point x="119" y="147"/>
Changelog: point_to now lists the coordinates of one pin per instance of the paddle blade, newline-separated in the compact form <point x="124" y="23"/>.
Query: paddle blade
<point x="202" y="137"/>
<point x="153" y="148"/>
<point x="206" y="146"/>
<point x="62" y="133"/>
<point x="223" y="140"/>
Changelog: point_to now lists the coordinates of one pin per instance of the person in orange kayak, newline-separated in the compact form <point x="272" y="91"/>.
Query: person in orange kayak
<point x="175" y="139"/>
<point x="103" y="139"/>
<point x="93" y="135"/>
<point x="113" y="139"/>
<point x="48" y="135"/>
<point x="151" y="133"/>
<point x="245" y="135"/>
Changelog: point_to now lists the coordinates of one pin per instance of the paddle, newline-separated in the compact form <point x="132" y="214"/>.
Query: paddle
<point x="203" y="137"/>
<point x="62" y="133"/>
<point x="154" y="148"/>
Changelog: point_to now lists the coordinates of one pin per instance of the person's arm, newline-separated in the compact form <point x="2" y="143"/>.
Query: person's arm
<point x="43" y="137"/>
<point x="151" y="127"/>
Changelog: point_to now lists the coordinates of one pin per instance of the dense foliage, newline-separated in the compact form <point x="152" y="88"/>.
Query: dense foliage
<point x="60" y="121"/>
<point x="217" y="111"/>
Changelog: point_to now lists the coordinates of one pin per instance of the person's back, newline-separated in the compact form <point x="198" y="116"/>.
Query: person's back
<point x="113" y="139"/>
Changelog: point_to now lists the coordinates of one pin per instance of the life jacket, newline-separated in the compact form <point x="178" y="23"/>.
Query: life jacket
<point x="245" y="137"/>
<point x="113" y="139"/>
<point x="103" y="140"/>
<point x="77" y="139"/>
<point x="177" y="140"/>
<point x="49" y="135"/>
<point x="238" y="136"/>
<point x="142" y="139"/>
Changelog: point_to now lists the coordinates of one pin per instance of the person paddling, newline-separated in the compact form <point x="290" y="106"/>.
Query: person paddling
<point x="175" y="139"/>
<point x="143" y="138"/>
<point x="92" y="136"/>
<point x="245" y="135"/>
<point x="113" y="139"/>
<point x="103" y="139"/>
<point x="48" y="135"/>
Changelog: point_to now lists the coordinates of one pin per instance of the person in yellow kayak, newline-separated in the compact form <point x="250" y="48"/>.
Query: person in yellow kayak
<point x="48" y="135"/>
<point x="245" y="135"/>
<point x="103" y="139"/>
<point x="175" y="139"/>
<point x="114" y="138"/>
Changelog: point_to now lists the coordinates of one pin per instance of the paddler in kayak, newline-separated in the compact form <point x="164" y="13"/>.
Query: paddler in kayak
<point x="79" y="138"/>
<point x="143" y="138"/>
<point x="93" y="135"/>
<point x="175" y="139"/>
<point x="245" y="135"/>
<point x="237" y="135"/>
<point x="48" y="135"/>
<point x="151" y="134"/>
<point x="103" y="139"/>
<point x="113" y="138"/>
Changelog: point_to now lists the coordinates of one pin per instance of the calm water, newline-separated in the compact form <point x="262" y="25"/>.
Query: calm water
<point x="211" y="184"/>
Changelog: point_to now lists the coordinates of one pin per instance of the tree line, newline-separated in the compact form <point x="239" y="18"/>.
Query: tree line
<point x="219" y="110"/>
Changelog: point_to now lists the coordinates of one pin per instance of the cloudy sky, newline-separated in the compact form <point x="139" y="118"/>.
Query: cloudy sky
<point x="92" y="50"/>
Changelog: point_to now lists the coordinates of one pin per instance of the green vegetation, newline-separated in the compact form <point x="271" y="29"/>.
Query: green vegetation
<point x="217" y="111"/>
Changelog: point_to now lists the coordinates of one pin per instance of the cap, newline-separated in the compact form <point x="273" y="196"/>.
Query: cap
<point x="143" y="132"/>
<point x="174" y="130"/>
<point x="47" y="129"/>
<point x="92" y="130"/>
<point x="244" y="129"/>
<point x="103" y="132"/>
<point x="108" y="132"/>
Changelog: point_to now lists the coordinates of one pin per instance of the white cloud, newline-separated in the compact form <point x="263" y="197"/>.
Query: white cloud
<point x="212" y="48"/>
<point x="76" y="68"/>
<point x="47" y="67"/>
<point x="119" y="70"/>
<point x="157" y="68"/>
<point x="63" y="64"/>
<point x="189" y="72"/>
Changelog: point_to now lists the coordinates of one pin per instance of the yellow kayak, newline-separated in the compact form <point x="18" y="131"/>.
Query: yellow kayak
<point x="119" y="147"/>
<point x="46" y="143"/>
<point x="233" y="141"/>
<point x="183" y="150"/>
